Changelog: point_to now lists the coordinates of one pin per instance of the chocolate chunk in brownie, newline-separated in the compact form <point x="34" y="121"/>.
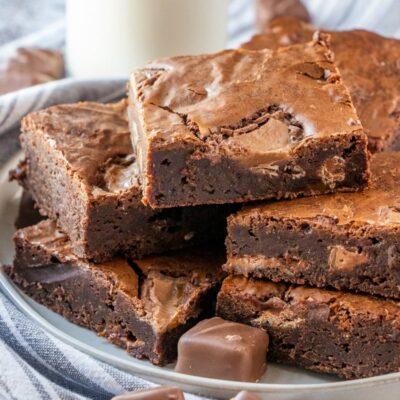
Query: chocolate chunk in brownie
<point x="30" y="66"/>
<point x="144" y="306"/>
<point x="346" y="241"/>
<point x="352" y="336"/>
<point x="243" y="125"/>
<point x="220" y="349"/>
<point x="81" y="172"/>
<point x="158" y="393"/>
<point x="369" y="66"/>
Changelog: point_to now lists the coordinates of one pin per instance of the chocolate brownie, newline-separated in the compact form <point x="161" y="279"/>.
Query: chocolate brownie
<point x="268" y="10"/>
<point x="81" y="172"/>
<point x="30" y="66"/>
<point x="352" y="336"/>
<point x="243" y="125"/>
<point x="144" y="306"/>
<point x="370" y="68"/>
<point x="346" y="241"/>
<point x="284" y="31"/>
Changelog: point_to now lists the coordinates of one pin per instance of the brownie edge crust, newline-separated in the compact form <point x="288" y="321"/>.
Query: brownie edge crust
<point x="352" y="336"/>
<point x="143" y="306"/>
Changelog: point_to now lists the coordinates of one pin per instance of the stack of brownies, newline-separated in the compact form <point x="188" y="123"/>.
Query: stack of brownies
<point x="137" y="196"/>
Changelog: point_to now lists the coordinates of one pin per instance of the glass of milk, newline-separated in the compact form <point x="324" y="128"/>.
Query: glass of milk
<point x="108" y="38"/>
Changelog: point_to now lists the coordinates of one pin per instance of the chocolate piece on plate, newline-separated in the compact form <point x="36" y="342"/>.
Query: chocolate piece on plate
<point x="243" y="125"/>
<point x="80" y="170"/>
<point x="220" y="349"/>
<point x="28" y="67"/>
<point x="144" y="306"/>
<point x="373" y="82"/>
<point x="352" y="336"/>
<point x="158" y="393"/>
<point x="346" y="241"/>
<point x="246" y="395"/>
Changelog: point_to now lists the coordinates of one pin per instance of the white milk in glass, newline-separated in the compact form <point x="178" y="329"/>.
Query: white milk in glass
<point x="111" y="37"/>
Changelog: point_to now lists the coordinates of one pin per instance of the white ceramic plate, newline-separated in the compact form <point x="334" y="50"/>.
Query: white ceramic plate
<point x="279" y="383"/>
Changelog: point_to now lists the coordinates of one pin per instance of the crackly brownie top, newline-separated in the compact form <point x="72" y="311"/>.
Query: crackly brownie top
<point x="291" y="302"/>
<point x="256" y="101"/>
<point x="370" y="67"/>
<point x="93" y="138"/>
<point x="378" y="205"/>
<point x="163" y="288"/>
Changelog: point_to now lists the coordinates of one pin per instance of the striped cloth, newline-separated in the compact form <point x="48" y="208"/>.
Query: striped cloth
<point x="33" y="364"/>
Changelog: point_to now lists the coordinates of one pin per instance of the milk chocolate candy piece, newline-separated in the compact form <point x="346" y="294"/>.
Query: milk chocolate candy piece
<point x="220" y="349"/>
<point x="246" y="395"/>
<point x="159" y="393"/>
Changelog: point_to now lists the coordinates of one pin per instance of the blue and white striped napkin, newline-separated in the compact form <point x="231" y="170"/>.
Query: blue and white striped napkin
<point x="35" y="365"/>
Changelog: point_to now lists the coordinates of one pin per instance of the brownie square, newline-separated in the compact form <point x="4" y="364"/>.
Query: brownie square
<point x="243" y="125"/>
<point x="369" y="66"/>
<point x="144" y="306"/>
<point x="345" y="241"/>
<point x="268" y="10"/>
<point x="29" y="66"/>
<point x="352" y="336"/>
<point x="80" y="170"/>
